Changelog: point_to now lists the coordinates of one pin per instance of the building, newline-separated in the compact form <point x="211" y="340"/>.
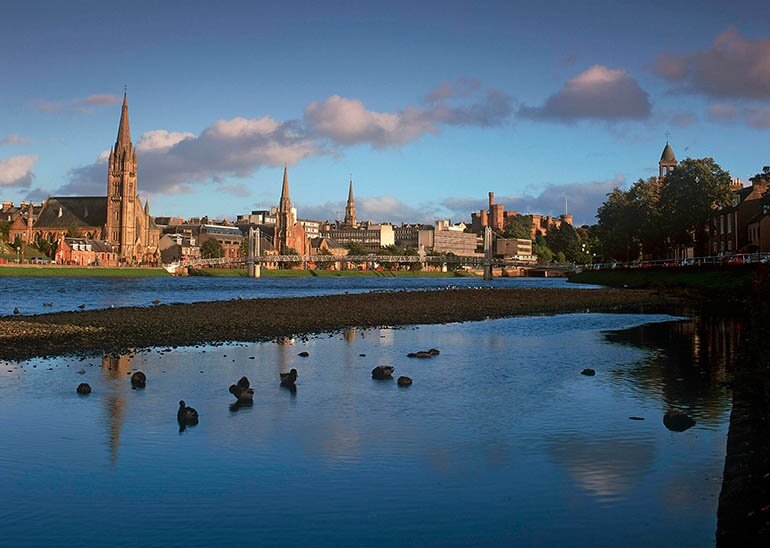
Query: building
<point x="257" y="217"/>
<point x="452" y="239"/>
<point x="514" y="248"/>
<point x="229" y="237"/>
<point x="667" y="161"/>
<point x="178" y="247"/>
<point x="312" y="228"/>
<point x="117" y="218"/>
<point x="729" y="230"/>
<point x="498" y="218"/>
<point x="370" y="235"/>
<point x="289" y="234"/>
<point x="409" y="235"/>
<point x="85" y="252"/>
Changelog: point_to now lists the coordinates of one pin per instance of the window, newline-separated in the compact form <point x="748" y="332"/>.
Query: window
<point x="721" y="224"/>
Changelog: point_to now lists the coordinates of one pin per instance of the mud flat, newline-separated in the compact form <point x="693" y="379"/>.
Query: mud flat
<point x="264" y="319"/>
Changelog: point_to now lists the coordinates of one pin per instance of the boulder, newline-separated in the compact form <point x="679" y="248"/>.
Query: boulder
<point x="404" y="381"/>
<point x="84" y="388"/>
<point x="382" y="372"/>
<point x="588" y="372"/>
<point x="677" y="422"/>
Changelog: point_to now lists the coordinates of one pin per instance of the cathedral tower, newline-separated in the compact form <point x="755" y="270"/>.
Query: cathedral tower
<point x="350" y="208"/>
<point x="122" y="200"/>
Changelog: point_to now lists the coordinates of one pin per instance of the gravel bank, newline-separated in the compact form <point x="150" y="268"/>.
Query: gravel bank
<point x="265" y="319"/>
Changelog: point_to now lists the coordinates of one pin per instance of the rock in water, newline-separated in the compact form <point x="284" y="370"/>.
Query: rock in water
<point x="186" y="416"/>
<point x="677" y="422"/>
<point x="588" y="372"/>
<point x="138" y="380"/>
<point x="303" y="354"/>
<point x="84" y="388"/>
<point x="404" y="381"/>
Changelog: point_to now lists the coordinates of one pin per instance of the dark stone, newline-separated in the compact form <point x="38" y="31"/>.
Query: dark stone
<point x="677" y="422"/>
<point x="434" y="352"/>
<point x="138" y="380"/>
<point x="84" y="388"/>
<point x="588" y="372"/>
<point x="362" y="355"/>
<point x="243" y="382"/>
<point x="404" y="381"/>
<point x="636" y="418"/>
<point x="383" y="372"/>
<point x="16" y="312"/>
<point x="411" y="355"/>
<point x="303" y="354"/>
<point x="242" y="394"/>
<point x="423" y="355"/>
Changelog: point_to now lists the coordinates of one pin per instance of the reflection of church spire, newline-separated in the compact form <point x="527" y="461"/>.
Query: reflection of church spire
<point x="115" y="367"/>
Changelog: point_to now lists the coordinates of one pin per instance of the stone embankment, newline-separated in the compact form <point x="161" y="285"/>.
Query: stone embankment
<point x="265" y="319"/>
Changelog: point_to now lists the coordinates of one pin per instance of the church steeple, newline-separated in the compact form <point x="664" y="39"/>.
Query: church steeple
<point x="667" y="161"/>
<point x="350" y="208"/>
<point x="285" y="203"/>
<point x="124" y="130"/>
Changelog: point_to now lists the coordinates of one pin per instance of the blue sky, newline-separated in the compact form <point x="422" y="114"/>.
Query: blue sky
<point x="429" y="105"/>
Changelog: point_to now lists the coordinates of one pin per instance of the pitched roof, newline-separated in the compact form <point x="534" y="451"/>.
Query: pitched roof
<point x="89" y="211"/>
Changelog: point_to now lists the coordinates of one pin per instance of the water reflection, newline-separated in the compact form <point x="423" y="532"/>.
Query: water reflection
<point x="608" y="467"/>
<point x="499" y="434"/>
<point x="115" y="366"/>
<point x="689" y="364"/>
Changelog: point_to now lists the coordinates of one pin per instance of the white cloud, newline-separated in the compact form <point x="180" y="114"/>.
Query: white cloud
<point x="16" y="171"/>
<point x="598" y="93"/>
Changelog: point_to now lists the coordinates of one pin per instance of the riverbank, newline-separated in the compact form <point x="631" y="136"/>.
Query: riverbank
<point x="730" y="279"/>
<point x="265" y="319"/>
<point x="303" y="273"/>
<point x="79" y="271"/>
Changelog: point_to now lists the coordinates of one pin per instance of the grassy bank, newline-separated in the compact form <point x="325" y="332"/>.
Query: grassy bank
<point x="280" y="273"/>
<point x="264" y="319"/>
<point x="728" y="279"/>
<point x="78" y="272"/>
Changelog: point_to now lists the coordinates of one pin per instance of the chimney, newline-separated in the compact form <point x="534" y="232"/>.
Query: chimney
<point x="491" y="199"/>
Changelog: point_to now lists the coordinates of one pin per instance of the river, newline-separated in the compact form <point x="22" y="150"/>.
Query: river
<point x="499" y="441"/>
<point x="39" y="295"/>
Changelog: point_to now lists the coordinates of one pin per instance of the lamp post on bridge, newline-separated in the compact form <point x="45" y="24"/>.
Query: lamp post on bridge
<point x="487" y="253"/>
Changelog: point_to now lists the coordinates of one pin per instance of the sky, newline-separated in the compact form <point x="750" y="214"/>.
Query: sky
<point x="428" y="106"/>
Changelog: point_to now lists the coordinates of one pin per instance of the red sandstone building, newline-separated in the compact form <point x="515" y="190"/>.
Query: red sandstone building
<point x="497" y="218"/>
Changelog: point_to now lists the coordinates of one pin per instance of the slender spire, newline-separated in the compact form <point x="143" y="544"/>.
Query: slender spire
<point x="350" y="208"/>
<point x="124" y="131"/>
<point x="285" y="203"/>
<point x="350" y="191"/>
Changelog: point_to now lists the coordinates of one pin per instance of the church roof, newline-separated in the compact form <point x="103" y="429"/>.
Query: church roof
<point x="668" y="154"/>
<point x="73" y="212"/>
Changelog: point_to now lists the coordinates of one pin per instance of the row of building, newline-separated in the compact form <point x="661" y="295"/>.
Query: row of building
<point x="118" y="229"/>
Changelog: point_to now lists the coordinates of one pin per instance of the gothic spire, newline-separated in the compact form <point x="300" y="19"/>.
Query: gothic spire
<point x="285" y="203"/>
<point x="124" y="131"/>
<point x="350" y="191"/>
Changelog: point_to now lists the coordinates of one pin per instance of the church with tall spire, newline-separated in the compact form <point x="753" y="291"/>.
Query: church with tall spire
<point x="350" y="209"/>
<point x="117" y="221"/>
<point x="290" y="237"/>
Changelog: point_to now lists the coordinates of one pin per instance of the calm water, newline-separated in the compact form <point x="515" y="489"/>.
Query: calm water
<point x="29" y="294"/>
<point x="499" y="441"/>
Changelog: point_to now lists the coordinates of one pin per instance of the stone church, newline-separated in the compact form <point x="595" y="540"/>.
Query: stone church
<point x="118" y="218"/>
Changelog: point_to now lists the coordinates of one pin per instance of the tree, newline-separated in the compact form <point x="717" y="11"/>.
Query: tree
<point x="688" y="197"/>
<point x="565" y="242"/>
<point x="5" y="229"/>
<point x="519" y="227"/>
<point x="212" y="249"/>
<point x="357" y="248"/>
<point x="541" y="250"/>
<point x="763" y="175"/>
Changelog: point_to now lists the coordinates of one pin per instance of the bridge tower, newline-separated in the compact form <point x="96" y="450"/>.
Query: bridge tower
<point x="487" y="253"/>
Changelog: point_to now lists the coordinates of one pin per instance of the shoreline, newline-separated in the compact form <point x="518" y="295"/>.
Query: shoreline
<point x="120" y="329"/>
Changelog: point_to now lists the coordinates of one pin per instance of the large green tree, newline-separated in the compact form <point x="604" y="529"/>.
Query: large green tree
<point x="688" y="197"/>
<point x="564" y="240"/>
<point x="212" y="249"/>
<point x="519" y="227"/>
<point x="630" y="222"/>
